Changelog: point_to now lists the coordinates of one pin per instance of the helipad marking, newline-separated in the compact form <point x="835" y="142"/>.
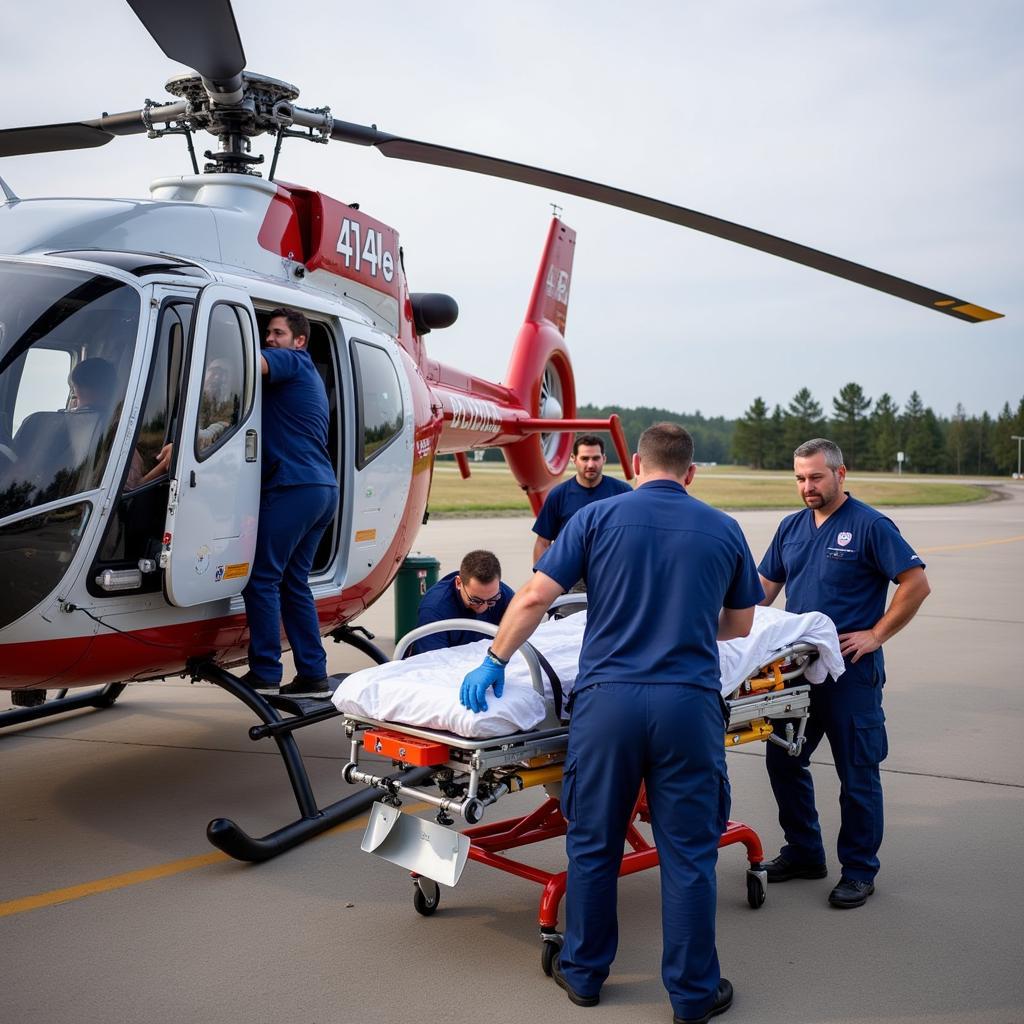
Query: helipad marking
<point x="129" y="878"/>
<point x="978" y="544"/>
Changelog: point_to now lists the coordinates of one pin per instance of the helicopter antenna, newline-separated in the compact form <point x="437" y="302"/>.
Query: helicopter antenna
<point x="8" y="192"/>
<point x="556" y="210"/>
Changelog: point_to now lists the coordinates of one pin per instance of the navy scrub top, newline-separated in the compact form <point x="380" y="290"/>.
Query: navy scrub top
<point x="568" y="498"/>
<point x="442" y="601"/>
<point x="841" y="568"/>
<point x="295" y="422"/>
<point x="660" y="566"/>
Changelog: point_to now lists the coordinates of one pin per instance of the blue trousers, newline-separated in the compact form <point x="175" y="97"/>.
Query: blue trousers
<point x="292" y="521"/>
<point x="668" y="736"/>
<point x="849" y="712"/>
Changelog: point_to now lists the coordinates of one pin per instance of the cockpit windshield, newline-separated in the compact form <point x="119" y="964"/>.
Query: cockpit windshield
<point x="67" y="339"/>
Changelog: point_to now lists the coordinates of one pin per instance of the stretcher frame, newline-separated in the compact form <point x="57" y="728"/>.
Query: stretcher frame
<point x="492" y="768"/>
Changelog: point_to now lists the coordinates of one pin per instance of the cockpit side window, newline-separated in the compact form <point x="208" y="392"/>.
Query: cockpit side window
<point x="44" y="383"/>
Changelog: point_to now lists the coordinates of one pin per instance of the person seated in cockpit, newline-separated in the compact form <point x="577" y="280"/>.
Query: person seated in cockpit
<point x="93" y="384"/>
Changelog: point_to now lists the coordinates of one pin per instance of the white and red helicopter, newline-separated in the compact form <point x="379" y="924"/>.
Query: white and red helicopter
<point x="110" y="572"/>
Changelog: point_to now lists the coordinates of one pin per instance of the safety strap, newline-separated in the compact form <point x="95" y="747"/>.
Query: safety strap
<point x="556" y="683"/>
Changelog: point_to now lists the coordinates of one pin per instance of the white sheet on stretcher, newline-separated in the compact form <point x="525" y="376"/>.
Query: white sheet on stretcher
<point x="424" y="690"/>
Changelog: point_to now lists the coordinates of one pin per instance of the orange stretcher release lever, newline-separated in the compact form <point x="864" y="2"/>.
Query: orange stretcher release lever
<point x="407" y="749"/>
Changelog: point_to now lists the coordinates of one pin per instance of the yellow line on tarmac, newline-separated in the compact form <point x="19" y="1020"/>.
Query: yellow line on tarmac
<point x="978" y="544"/>
<point x="174" y="867"/>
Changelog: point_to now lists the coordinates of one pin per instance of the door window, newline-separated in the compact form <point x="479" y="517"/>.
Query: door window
<point x="380" y="406"/>
<point x="135" y="529"/>
<point x="227" y="379"/>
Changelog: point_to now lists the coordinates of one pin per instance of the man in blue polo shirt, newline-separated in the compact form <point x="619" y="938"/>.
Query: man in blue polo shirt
<point x="298" y="502"/>
<point x="476" y="591"/>
<point x="667" y="577"/>
<point x="588" y="485"/>
<point x="837" y="556"/>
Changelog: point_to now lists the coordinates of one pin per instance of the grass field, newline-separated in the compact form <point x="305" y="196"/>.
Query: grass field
<point x="491" y="489"/>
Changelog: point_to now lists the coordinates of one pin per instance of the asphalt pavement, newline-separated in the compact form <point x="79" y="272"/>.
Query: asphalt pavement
<point x="113" y="907"/>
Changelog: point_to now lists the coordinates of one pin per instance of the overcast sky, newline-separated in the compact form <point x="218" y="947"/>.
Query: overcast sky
<point x="886" y="133"/>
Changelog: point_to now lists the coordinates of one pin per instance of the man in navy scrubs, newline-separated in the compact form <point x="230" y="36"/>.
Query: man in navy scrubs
<point x="476" y="591"/>
<point x="588" y="485"/>
<point x="837" y="556"/>
<point x="298" y="501"/>
<point x="668" y="576"/>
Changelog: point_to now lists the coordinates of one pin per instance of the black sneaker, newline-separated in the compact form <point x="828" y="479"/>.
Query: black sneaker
<point x="574" y="996"/>
<point x="782" y="870"/>
<point x="723" y="1000"/>
<point x="850" y="892"/>
<point x="303" y="686"/>
<point x="261" y="686"/>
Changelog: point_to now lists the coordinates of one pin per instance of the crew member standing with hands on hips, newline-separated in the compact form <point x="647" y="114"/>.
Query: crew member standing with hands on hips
<point x="837" y="556"/>
<point x="667" y="577"/>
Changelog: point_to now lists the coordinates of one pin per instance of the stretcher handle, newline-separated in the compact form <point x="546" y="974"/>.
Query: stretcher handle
<point x="472" y="625"/>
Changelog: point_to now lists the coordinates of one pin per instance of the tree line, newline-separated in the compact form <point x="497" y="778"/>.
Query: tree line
<point x="872" y="432"/>
<point x="869" y="431"/>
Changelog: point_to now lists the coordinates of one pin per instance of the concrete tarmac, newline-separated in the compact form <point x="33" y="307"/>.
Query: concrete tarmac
<point x="174" y="932"/>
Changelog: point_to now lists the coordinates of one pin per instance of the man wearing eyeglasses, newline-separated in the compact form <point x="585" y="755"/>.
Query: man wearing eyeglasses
<point x="474" y="592"/>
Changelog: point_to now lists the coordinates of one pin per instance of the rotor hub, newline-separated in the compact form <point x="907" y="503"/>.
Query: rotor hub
<point x="265" y="107"/>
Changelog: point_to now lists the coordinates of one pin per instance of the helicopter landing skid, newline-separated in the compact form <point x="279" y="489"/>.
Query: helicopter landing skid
<point x="99" y="698"/>
<point x="231" y="838"/>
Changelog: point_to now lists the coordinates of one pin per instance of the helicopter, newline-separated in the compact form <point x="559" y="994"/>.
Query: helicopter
<point x="114" y="568"/>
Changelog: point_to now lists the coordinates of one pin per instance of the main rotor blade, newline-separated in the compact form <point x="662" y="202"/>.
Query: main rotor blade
<point x="201" y="34"/>
<point x="51" y="138"/>
<point x="442" y="156"/>
<point x="98" y="131"/>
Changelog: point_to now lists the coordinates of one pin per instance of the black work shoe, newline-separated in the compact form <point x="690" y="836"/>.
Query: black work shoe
<point x="850" y="892"/>
<point x="261" y="686"/>
<point x="303" y="686"/>
<point x="574" y="996"/>
<point x="723" y="1000"/>
<point x="782" y="870"/>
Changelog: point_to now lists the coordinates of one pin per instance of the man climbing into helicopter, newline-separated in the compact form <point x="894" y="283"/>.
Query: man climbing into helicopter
<point x="298" y="501"/>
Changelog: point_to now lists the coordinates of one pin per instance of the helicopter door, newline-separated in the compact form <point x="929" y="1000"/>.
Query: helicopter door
<point x="212" y="511"/>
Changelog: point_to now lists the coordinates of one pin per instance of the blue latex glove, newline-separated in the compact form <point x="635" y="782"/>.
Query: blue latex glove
<point x="474" y="687"/>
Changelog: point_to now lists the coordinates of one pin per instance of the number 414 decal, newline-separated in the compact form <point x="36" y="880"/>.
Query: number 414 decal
<point x="370" y="250"/>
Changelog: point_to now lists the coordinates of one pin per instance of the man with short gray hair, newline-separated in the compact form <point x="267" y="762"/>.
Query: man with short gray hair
<point x="837" y="556"/>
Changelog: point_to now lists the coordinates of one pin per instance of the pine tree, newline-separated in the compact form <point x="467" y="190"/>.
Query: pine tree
<point x="919" y="429"/>
<point x="886" y="436"/>
<point x="850" y="425"/>
<point x="780" y="456"/>
<point x="803" y="419"/>
<point x="956" y="439"/>
<point x="750" y="442"/>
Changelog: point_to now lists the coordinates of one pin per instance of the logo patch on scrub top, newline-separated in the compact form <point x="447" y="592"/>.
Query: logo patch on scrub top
<point x="844" y="538"/>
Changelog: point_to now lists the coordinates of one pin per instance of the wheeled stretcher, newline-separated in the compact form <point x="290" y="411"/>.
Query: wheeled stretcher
<point x="469" y="775"/>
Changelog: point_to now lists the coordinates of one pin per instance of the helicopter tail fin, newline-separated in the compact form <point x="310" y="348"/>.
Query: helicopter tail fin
<point x="540" y="371"/>
<point x="549" y="301"/>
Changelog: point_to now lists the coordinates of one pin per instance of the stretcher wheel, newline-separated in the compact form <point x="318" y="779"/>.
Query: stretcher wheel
<point x="426" y="895"/>
<point x="551" y="948"/>
<point x="757" y="888"/>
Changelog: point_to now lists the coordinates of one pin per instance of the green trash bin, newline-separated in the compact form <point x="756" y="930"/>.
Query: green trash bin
<point x="416" y="576"/>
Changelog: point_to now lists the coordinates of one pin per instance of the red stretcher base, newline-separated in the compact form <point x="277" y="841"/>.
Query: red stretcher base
<point x="489" y="842"/>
